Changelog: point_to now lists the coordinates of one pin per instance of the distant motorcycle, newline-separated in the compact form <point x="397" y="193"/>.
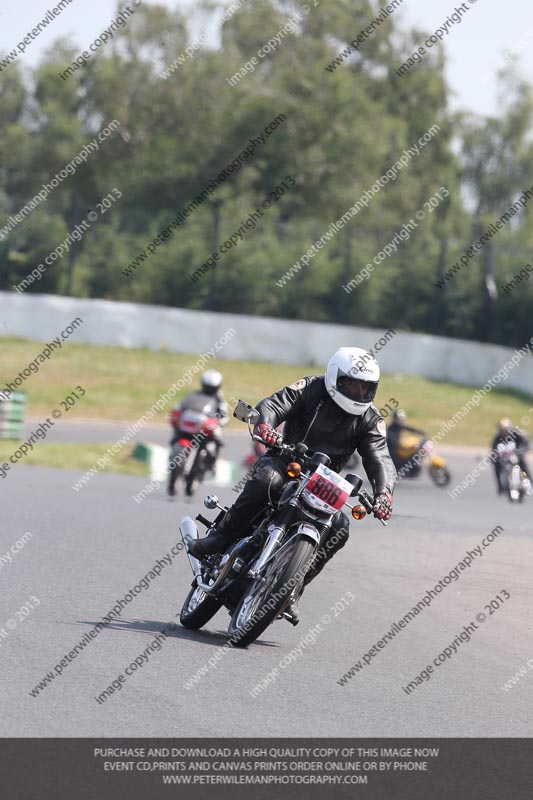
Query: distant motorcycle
<point x="195" y="450"/>
<point x="513" y="481"/>
<point x="412" y="444"/>
<point x="257" y="577"/>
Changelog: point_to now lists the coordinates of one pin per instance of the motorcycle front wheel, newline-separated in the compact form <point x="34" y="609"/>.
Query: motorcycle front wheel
<point x="267" y="596"/>
<point x="177" y="463"/>
<point x="196" y="473"/>
<point x="515" y="491"/>
<point x="440" y="476"/>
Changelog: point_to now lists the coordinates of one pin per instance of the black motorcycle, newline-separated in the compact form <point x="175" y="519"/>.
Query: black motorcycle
<point x="257" y="577"/>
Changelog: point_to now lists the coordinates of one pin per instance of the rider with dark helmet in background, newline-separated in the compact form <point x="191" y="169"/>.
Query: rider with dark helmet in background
<point x="332" y="414"/>
<point x="210" y="393"/>
<point x="506" y="433"/>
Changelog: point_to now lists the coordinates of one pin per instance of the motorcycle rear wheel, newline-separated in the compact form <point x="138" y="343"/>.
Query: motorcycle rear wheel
<point x="255" y="611"/>
<point x="198" y="609"/>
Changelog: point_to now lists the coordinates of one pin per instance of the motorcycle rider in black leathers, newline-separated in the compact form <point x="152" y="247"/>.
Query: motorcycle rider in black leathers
<point x="332" y="414"/>
<point x="508" y="433"/>
<point x="210" y="395"/>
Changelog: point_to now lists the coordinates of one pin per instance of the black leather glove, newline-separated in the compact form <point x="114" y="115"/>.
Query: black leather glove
<point x="268" y="435"/>
<point x="383" y="506"/>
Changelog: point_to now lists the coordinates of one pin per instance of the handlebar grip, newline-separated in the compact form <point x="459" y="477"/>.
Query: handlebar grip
<point x="281" y="446"/>
<point x="366" y="501"/>
<point x="369" y="505"/>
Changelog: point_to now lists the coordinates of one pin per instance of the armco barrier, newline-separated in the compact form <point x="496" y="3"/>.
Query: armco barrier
<point x="106" y="322"/>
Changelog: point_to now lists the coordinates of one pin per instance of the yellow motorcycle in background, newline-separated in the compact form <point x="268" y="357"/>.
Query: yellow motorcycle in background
<point x="410" y="445"/>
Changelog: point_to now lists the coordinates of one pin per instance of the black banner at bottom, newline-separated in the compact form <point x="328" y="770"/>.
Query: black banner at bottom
<point x="374" y="769"/>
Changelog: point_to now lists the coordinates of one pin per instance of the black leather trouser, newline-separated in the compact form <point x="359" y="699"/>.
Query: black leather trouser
<point x="266" y="483"/>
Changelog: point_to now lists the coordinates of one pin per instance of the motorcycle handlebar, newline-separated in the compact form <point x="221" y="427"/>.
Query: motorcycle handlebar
<point x="368" y="503"/>
<point x="365" y="498"/>
<point x="280" y="446"/>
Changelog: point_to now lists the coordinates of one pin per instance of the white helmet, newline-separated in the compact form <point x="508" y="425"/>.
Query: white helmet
<point x="352" y="378"/>
<point x="211" y="381"/>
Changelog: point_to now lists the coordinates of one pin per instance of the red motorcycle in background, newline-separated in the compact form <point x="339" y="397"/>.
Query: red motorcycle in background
<point x="196" y="444"/>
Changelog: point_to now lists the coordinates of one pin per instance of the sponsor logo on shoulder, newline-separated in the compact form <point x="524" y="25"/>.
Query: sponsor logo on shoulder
<point x="381" y="427"/>
<point x="297" y="385"/>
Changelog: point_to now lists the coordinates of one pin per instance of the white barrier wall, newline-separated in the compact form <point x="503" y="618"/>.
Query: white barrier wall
<point x="106" y="322"/>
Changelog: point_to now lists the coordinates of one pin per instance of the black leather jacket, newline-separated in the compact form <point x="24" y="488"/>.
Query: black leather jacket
<point x="515" y="435"/>
<point x="312" y="417"/>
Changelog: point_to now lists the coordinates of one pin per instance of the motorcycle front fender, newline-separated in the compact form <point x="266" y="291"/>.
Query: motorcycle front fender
<point x="309" y="531"/>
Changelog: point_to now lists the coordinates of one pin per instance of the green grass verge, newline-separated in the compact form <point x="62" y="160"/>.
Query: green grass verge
<point x="122" y="384"/>
<point x="74" y="456"/>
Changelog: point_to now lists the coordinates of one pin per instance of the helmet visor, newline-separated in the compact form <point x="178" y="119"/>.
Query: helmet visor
<point x="355" y="389"/>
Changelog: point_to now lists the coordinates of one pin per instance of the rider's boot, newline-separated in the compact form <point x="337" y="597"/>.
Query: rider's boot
<point x="231" y="528"/>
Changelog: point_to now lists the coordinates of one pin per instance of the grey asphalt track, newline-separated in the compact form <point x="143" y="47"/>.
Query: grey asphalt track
<point x="89" y="548"/>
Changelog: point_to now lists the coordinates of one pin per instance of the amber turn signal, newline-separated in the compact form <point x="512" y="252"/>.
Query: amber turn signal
<point x="294" y="469"/>
<point x="358" y="512"/>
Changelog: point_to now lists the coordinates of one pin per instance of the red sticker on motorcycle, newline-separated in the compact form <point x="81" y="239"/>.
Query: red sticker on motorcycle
<point x="329" y="488"/>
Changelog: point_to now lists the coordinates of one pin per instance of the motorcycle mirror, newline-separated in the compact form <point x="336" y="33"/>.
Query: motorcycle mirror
<point x="320" y="458"/>
<point x="356" y="482"/>
<point x="301" y="450"/>
<point x="245" y="412"/>
<point x="211" y="501"/>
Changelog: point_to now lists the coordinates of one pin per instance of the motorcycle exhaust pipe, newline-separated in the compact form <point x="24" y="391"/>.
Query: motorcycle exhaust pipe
<point x="189" y="532"/>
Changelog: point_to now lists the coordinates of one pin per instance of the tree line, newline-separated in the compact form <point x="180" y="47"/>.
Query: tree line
<point x="176" y="132"/>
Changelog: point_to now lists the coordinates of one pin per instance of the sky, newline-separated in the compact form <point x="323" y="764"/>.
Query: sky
<point x="476" y="47"/>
